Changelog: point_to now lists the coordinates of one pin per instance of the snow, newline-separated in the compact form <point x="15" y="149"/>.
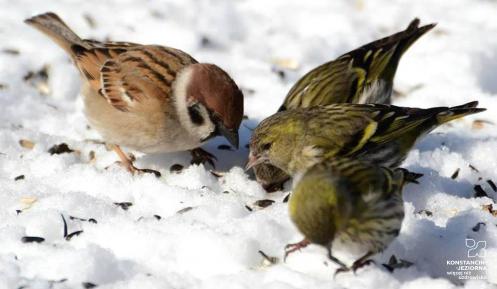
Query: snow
<point x="190" y="229"/>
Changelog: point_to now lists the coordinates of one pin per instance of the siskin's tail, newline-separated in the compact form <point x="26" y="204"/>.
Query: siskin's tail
<point x="459" y="111"/>
<point x="51" y="24"/>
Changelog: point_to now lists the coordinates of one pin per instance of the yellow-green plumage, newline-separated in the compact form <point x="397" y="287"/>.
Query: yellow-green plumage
<point x="349" y="203"/>
<point x="296" y="139"/>
<point x="363" y="75"/>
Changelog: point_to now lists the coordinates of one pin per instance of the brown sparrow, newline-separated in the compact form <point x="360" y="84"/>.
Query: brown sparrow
<point x="149" y="98"/>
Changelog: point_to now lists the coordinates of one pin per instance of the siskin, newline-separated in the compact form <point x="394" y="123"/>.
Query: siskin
<point x="363" y="75"/>
<point x="349" y="204"/>
<point x="294" y="140"/>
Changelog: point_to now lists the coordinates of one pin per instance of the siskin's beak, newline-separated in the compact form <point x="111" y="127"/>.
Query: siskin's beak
<point x="253" y="161"/>
<point x="230" y="134"/>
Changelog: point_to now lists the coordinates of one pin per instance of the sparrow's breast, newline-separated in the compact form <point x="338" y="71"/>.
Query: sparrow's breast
<point x="152" y="130"/>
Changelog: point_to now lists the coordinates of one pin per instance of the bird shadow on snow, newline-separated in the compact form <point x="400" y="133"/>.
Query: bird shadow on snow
<point x="227" y="156"/>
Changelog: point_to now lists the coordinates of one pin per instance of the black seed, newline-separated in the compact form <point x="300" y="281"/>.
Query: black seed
<point x="157" y="217"/>
<point x="455" y="174"/>
<point x="76" y="233"/>
<point x="492" y="185"/>
<point x="476" y="228"/>
<point x="88" y="285"/>
<point x="124" y="205"/>
<point x="264" y="203"/>
<point x="176" y="168"/>
<point x="18" y="211"/>
<point x="60" y="149"/>
<point x="20" y="177"/>
<point x="91" y="220"/>
<point x="479" y="192"/>
<point x="224" y="147"/>
<point x="248" y="208"/>
<point x="285" y="200"/>
<point x="473" y="168"/>
<point x="184" y="210"/>
<point x="31" y="239"/>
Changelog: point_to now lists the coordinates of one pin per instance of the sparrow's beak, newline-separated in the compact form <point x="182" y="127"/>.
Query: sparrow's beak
<point x="230" y="134"/>
<point x="253" y="161"/>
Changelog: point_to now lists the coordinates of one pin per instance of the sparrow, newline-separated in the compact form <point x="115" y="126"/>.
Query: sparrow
<point x="363" y="75"/>
<point x="149" y="98"/>
<point x="295" y="140"/>
<point x="350" y="205"/>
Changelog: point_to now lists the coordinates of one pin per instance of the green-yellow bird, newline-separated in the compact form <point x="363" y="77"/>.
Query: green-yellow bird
<point x="350" y="205"/>
<point x="294" y="140"/>
<point x="364" y="75"/>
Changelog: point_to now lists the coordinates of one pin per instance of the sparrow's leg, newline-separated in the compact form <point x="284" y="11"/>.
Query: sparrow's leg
<point x="200" y="156"/>
<point x="127" y="162"/>
<point x="290" y="248"/>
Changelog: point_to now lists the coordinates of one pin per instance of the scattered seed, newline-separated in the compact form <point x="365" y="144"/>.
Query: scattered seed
<point x="264" y="203"/>
<point x="224" y="147"/>
<point x="480" y="123"/>
<point x="490" y="209"/>
<point x="176" y="168"/>
<point x="455" y="174"/>
<point x="19" y="177"/>
<point x="476" y="228"/>
<point x="479" y="192"/>
<point x="393" y="264"/>
<point x="226" y="192"/>
<point x="267" y="259"/>
<point x="75" y="233"/>
<point x="473" y="168"/>
<point x="217" y="174"/>
<point x="60" y="149"/>
<point x="285" y="200"/>
<point x="32" y="239"/>
<point x="89" y="285"/>
<point x="11" y="51"/>
<point x="426" y="212"/>
<point x="91" y="220"/>
<point x="248" y="208"/>
<point x="492" y="185"/>
<point x="18" y="212"/>
<point x="92" y="158"/>
<point x="90" y="21"/>
<point x="124" y="205"/>
<point x="158" y="217"/>
<point x="184" y="210"/>
<point x="27" y="144"/>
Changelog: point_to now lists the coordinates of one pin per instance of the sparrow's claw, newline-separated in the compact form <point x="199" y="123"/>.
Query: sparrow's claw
<point x="127" y="162"/>
<point x="290" y="248"/>
<point x="200" y="156"/>
<point x="361" y="264"/>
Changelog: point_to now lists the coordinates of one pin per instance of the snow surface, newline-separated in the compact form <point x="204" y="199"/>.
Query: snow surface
<point x="193" y="230"/>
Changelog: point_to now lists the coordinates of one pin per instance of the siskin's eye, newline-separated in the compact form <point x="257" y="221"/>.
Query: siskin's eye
<point x="266" y="146"/>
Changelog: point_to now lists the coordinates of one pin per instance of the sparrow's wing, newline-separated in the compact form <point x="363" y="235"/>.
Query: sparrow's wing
<point x="364" y="75"/>
<point x="141" y="73"/>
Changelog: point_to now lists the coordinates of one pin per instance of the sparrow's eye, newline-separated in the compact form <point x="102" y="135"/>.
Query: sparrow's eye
<point x="266" y="146"/>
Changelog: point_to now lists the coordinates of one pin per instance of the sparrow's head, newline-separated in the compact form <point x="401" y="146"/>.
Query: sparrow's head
<point x="211" y="104"/>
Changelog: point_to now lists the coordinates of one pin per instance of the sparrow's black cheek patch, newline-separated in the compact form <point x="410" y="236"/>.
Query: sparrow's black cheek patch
<point x="195" y="116"/>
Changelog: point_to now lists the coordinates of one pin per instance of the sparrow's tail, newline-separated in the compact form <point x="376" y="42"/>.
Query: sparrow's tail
<point x="50" y="24"/>
<point x="458" y="111"/>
